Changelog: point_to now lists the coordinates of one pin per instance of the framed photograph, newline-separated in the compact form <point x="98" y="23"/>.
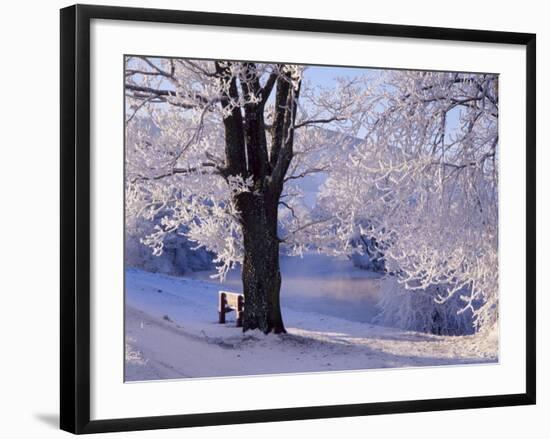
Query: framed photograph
<point x="274" y="218"/>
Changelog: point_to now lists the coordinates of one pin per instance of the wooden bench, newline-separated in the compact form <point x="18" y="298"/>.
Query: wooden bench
<point x="229" y="301"/>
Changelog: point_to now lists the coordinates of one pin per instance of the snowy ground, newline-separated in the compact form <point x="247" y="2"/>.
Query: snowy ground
<point x="172" y="332"/>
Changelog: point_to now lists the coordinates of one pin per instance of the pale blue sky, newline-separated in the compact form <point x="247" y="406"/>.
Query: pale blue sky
<point x="325" y="76"/>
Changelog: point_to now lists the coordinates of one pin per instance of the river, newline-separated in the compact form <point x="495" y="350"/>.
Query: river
<point x="320" y="283"/>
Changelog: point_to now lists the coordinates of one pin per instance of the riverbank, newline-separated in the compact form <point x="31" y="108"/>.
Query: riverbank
<point x="172" y="332"/>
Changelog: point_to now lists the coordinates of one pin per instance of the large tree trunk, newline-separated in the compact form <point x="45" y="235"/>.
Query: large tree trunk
<point x="248" y="155"/>
<point x="260" y="272"/>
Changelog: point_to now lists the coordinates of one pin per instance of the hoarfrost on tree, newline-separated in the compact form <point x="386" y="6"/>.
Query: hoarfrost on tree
<point x="226" y="142"/>
<point x="425" y="176"/>
<point x="410" y="162"/>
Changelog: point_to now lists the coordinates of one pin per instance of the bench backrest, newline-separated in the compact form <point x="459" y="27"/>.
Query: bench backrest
<point x="232" y="299"/>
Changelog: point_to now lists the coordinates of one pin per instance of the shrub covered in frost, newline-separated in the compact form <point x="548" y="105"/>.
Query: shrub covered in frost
<point x="419" y="311"/>
<point x="178" y="257"/>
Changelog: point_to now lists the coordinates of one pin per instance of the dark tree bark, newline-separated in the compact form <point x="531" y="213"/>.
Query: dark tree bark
<point x="248" y="155"/>
<point x="260" y="272"/>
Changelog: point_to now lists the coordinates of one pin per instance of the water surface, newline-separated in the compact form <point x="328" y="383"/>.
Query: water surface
<point x="323" y="284"/>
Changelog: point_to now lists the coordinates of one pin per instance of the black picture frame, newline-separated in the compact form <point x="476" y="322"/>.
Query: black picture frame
<point x="75" y="217"/>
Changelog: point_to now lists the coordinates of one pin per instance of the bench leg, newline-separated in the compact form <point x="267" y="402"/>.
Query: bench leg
<point x="221" y="308"/>
<point x="239" y="313"/>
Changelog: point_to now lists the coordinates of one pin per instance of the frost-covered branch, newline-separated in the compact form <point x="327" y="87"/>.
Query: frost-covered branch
<point x="424" y="183"/>
<point x="193" y="122"/>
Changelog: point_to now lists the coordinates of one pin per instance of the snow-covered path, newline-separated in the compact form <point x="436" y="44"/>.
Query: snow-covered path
<point x="172" y="332"/>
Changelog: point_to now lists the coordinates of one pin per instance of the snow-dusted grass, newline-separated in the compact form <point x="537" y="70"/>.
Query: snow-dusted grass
<point x="172" y="332"/>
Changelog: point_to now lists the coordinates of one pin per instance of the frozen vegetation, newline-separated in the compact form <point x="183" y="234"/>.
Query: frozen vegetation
<point x="178" y="256"/>
<point x="358" y="216"/>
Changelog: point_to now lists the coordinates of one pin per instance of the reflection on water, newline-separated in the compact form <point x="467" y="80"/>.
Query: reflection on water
<point x="322" y="284"/>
